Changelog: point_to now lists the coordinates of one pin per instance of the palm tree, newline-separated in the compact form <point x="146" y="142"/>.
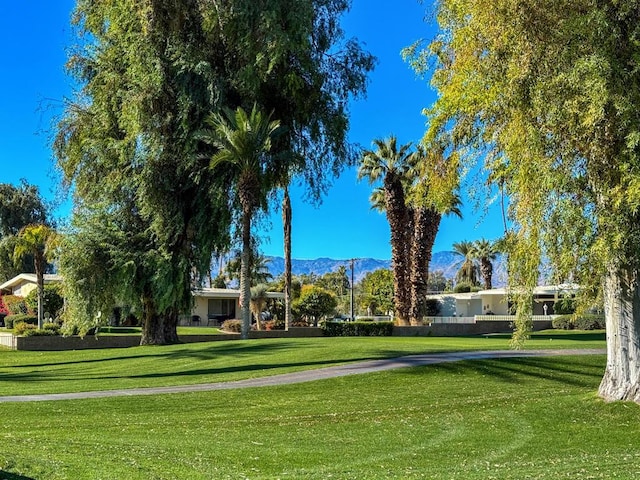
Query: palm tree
<point x="258" y="302"/>
<point x="244" y="141"/>
<point x="485" y="251"/>
<point x="258" y="267"/>
<point x="468" y="271"/>
<point x="427" y="169"/>
<point x="38" y="240"/>
<point x="389" y="163"/>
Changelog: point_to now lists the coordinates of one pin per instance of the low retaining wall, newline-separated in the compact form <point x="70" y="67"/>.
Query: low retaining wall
<point x="125" y="341"/>
<point x="461" y="329"/>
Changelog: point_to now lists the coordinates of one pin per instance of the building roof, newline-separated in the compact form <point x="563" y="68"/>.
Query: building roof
<point x="29" y="278"/>
<point x="228" y="293"/>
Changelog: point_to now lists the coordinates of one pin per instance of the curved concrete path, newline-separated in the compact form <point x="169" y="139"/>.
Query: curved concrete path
<point x="308" y="375"/>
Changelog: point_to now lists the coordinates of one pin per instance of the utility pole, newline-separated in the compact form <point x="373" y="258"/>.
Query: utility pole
<point x="352" y="309"/>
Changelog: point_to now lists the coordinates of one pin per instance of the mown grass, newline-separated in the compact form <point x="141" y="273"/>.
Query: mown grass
<point x="24" y="372"/>
<point x="527" y="418"/>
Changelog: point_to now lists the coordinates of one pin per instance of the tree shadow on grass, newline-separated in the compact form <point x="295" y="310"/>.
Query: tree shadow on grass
<point x="558" y="335"/>
<point x="12" y="476"/>
<point x="580" y="371"/>
<point x="211" y="351"/>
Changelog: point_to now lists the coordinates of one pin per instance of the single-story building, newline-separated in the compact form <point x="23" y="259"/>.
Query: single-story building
<point x="496" y="301"/>
<point x="24" y="283"/>
<point x="212" y="306"/>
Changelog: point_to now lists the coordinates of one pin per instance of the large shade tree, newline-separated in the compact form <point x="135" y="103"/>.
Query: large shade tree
<point x="547" y="92"/>
<point x="146" y="77"/>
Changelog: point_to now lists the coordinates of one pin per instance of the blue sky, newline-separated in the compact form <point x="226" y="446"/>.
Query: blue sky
<point x="34" y="35"/>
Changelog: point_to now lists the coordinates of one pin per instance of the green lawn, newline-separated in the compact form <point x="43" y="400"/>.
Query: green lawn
<point x="84" y="370"/>
<point x="529" y="418"/>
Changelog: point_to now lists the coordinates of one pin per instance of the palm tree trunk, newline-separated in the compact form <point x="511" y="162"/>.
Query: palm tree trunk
<point x="286" y="225"/>
<point x="425" y="229"/>
<point x="398" y="217"/>
<point x="39" y="264"/>
<point x="245" y="280"/>
<point x="486" y="268"/>
<point x="621" y="379"/>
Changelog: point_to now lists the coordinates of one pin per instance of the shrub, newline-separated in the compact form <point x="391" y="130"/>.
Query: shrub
<point x="53" y="301"/>
<point x="20" y="328"/>
<point x="562" y="322"/>
<point x="234" y="326"/>
<point x="11" y="320"/>
<point x="358" y="329"/>
<point x="432" y="307"/>
<point x="462" y="287"/>
<point x="15" y="305"/>
<point x="579" y="322"/>
<point x="589" y="322"/>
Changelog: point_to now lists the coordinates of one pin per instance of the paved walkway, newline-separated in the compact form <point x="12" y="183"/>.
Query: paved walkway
<point x="308" y="375"/>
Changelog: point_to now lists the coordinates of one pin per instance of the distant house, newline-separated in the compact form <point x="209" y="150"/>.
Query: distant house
<point x="24" y="283"/>
<point x="212" y="306"/>
<point x="496" y="301"/>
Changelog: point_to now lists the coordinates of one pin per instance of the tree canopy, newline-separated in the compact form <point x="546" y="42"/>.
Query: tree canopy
<point x="150" y="73"/>
<point x="546" y="94"/>
<point x="20" y="205"/>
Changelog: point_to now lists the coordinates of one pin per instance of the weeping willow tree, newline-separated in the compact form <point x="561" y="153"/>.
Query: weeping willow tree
<point x="545" y="92"/>
<point x="126" y="141"/>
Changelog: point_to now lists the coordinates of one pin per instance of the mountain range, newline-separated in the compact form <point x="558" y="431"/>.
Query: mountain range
<point x="446" y="261"/>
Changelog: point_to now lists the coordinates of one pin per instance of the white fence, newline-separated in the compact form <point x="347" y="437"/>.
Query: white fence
<point x="449" y="320"/>
<point x="484" y="318"/>
<point x="7" y="340"/>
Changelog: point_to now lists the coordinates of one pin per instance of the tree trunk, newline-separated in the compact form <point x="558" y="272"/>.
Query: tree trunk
<point x="621" y="379"/>
<point x="245" y="280"/>
<point x="152" y="328"/>
<point x="286" y="225"/>
<point x="170" y="327"/>
<point x="425" y="229"/>
<point x="486" y="269"/>
<point x="39" y="264"/>
<point x="399" y="222"/>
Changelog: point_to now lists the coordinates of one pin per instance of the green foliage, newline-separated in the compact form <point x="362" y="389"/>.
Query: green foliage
<point x="579" y="322"/>
<point x="546" y="94"/>
<point x="53" y="300"/>
<point x="314" y="303"/>
<point x="462" y="287"/>
<point x="433" y="307"/>
<point x="15" y="305"/>
<point x="358" y="329"/>
<point x="376" y="290"/>
<point x="565" y="306"/>
<point x="19" y="206"/>
<point x="336" y="282"/>
<point x="437" y="282"/>
<point x="31" y="330"/>
<point x="11" y="320"/>
<point x="22" y="327"/>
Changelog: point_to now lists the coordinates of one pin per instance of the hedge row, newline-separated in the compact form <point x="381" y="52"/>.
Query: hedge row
<point x="580" y="322"/>
<point x="358" y="329"/>
<point x="11" y="320"/>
